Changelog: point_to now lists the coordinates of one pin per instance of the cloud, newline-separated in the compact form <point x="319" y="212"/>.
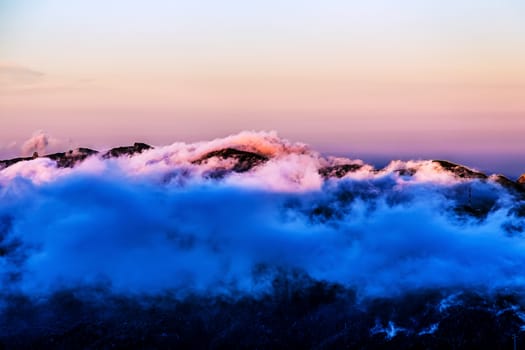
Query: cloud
<point x="37" y="143"/>
<point x="41" y="143"/>
<point x="16" y="79"/>
<point x="155" y="222"/>
<point x="16" y="75"/>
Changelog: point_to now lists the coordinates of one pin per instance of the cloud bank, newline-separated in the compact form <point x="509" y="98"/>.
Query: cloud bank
<point x="194" y="218"/>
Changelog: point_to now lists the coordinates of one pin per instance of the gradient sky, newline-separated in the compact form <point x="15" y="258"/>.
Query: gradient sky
<point x="407" y="78"/>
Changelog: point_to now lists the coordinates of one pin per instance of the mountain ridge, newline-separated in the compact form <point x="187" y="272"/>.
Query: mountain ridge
<point x="244" y="161"/>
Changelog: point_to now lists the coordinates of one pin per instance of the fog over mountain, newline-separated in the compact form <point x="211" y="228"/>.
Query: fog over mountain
<point x="252" y="216"/>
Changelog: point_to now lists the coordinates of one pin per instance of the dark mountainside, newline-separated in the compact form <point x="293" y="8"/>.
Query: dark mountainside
<point x="300" y="313"/>
<point x="72" y="157"/>
<point x="137" y="147"/>
<point x="297" y="312"/>
<point x="339" y="171"/>
<point x="243" y="161"/>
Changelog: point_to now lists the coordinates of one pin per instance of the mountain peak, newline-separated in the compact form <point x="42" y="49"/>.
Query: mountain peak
<point x="72" y="157"/>
<point x="243" y="160"/>
<point x="138" y="147"/>
<point x="460" y="170"/>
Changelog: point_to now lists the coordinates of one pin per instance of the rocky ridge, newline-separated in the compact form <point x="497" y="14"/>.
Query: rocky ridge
<point x="73" y="157"/>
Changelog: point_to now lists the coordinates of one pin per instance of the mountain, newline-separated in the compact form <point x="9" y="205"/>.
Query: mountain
<point x="251" y="241"/>
<point x="240" y="161"/>
<point x="137" y="148"/>
<point x="8" y="162"/>
<point x="460" y="170"/>
<point x="221" y="162"/>
<point x="339" y="171"/>
<point x="73" y="157"/>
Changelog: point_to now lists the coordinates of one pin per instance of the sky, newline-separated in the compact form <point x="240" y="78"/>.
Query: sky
<point x="410" y="78"/>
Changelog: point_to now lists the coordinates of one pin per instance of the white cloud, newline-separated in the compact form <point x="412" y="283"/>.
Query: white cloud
<point x="152" y="222"/>
<point x="41" y="143"/>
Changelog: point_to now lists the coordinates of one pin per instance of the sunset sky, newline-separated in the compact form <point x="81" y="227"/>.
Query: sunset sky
<point x="407" y="78"/>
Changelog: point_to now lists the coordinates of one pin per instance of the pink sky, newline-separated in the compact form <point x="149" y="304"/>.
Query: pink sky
<point x="369" y="78"/>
